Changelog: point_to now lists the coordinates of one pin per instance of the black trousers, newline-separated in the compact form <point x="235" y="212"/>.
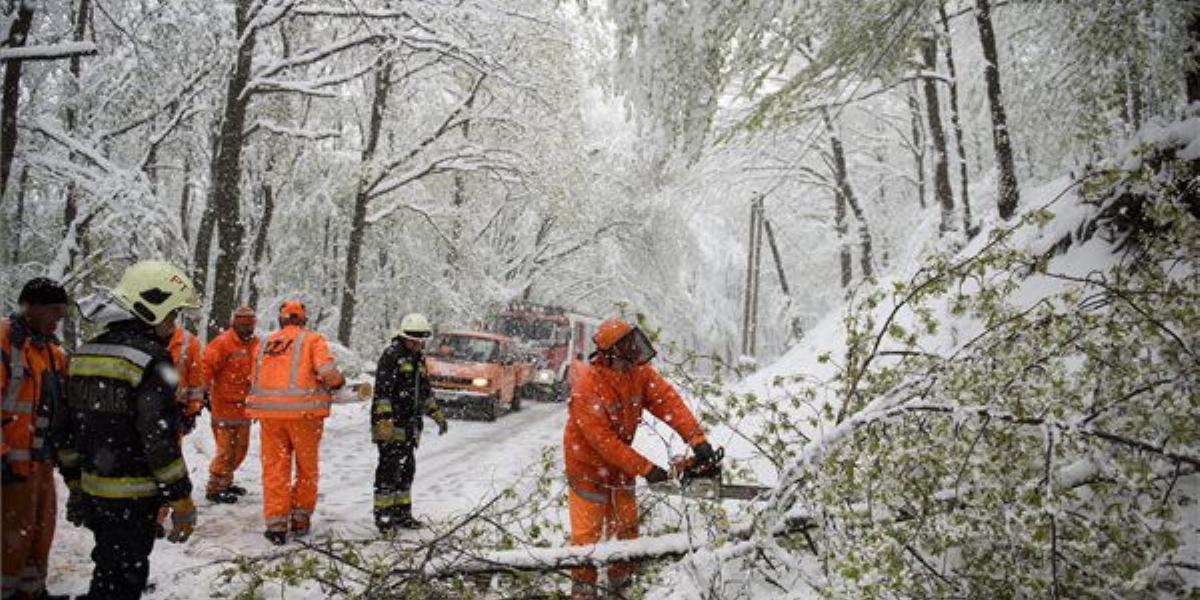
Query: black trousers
<point x="393" y="480"/>
<point x="125" y="533"/>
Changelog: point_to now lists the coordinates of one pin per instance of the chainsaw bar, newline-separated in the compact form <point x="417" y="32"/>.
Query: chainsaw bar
<point x="711" y="489"/>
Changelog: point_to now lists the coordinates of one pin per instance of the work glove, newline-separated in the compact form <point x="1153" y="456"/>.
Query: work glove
<point x="76" y="508"/>
<point x="656" y="475"/>
<point x="383" y="431"/>
<point x="707" y="463"/>
<point x="443" y="426"/>
<point x="183" y="520"/>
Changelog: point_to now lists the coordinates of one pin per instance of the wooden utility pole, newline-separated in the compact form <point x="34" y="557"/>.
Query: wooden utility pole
<point x="758" y="226"/>
<point x="783" y="285"/>
<point x="753" y="272"/>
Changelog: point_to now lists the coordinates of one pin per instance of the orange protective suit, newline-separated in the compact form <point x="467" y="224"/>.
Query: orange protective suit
<point x="31" y="384"/>
<point x="603" y="415"/>
<point x="575" y="371"/>
<point x="290" y="396"/>
<point x="186" y="355"/>
<point x="228" y="362"/>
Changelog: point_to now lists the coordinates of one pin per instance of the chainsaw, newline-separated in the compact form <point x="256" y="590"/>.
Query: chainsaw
<point x="689" y="476"/>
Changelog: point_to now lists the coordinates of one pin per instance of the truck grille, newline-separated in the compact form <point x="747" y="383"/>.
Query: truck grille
<point x="447" y="380"/>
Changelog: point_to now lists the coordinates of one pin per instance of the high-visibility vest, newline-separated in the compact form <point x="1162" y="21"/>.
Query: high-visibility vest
<point x="30" y="388"/>
<point x="286" y="381"/>
<point x="185" y="354"/>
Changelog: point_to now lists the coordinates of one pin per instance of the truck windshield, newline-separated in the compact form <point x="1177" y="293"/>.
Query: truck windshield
<point x="530" y="330"/>
<point x="463" y="347"/>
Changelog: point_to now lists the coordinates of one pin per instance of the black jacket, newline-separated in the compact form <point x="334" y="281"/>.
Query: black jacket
<point x="116" y="438"/>
<point x="402" y="391"/>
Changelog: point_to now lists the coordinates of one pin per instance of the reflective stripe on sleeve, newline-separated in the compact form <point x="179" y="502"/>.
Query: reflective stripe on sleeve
<point x="133" y="355"/>
<point x="172" y="472"/>
<point x="108" y="367"/>
<point x="119" y="487"/>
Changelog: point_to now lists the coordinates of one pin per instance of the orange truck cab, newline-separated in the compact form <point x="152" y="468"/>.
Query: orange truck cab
<point x="555" y="335"/>
<point x="473" y="372"/>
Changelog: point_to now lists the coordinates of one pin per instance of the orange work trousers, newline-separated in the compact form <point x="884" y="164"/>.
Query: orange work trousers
<point x="232" y="442"/>
<point x="28" y="508"/>
<point x="593" y="521"/>
<point x="284" y="444"/>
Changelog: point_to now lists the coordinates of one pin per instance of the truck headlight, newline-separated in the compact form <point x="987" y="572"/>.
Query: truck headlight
<point x="479" y="382"/>
<point x="545" y="376"/>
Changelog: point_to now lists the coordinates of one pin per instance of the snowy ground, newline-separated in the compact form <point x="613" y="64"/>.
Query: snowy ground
<point x="454" y="474"/>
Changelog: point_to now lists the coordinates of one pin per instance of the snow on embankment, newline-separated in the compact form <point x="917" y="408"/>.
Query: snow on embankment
<point x="963" y="418"/>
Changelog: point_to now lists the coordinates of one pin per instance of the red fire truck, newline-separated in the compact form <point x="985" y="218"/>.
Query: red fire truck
<point x="554" y="335"/>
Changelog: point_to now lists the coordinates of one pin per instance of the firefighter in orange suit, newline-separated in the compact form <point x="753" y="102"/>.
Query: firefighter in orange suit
<point x="228" y="360"/>
<point x="605" y="408"/>
<point x="290" y="395"/>
<point x="184" y="347"/>
<point x="186" y="354"/>
<point x="31" y="386"/>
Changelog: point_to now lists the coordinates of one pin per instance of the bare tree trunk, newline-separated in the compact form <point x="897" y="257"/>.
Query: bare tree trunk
<point x="937" y="134"/>
<point x="918" y="144"/>
<point x="75" y="231"/>
<point x="845" y="197"/>
<point x="12" y="92"/>
<point x="956" y="123"/>
<point x="19" y="218"/>
<point x="225" y="193"/>
<point x="260" y="242"/>
<point x="1007" y="194"/>
<point x="458" y="199"/>
<point x="358" y="222"/>
<point x="185" y="200"/>
<point x="208" y="221"/>
<point x="1192" y="79"/>
<point x="1133" y="93"/>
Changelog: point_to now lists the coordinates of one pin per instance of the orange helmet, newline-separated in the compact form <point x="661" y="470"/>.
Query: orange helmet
<point x="616" y="338"/>
<point x="243" y="314"/>
<point x="294" y="309"/>
<point x="610" y="332"/>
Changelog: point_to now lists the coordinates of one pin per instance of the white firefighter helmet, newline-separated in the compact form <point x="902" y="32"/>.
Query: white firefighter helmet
<point x="152" y="289"/>
<point x="414" y="326"/>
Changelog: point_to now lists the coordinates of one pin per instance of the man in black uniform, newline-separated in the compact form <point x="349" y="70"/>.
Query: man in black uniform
<point x="402" y="394"/>
<point x="117" y="442"/>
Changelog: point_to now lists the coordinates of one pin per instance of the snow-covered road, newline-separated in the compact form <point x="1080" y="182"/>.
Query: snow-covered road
<point x="455" y="473"/>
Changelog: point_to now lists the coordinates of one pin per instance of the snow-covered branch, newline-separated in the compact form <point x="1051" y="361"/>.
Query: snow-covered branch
<point x="295" y="132"/>
<point x="49" y="51"/>
<point x="314" y="55"/>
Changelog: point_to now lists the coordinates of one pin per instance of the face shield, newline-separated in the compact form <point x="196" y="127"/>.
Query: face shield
<point x="635" y="347"/>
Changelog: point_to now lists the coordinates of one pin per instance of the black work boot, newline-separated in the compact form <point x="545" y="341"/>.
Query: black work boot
<point x="222" y="497"/>
<point x="404" y="519"/>
<point x="236" y="490"/>
<point x="277" y="538"/>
